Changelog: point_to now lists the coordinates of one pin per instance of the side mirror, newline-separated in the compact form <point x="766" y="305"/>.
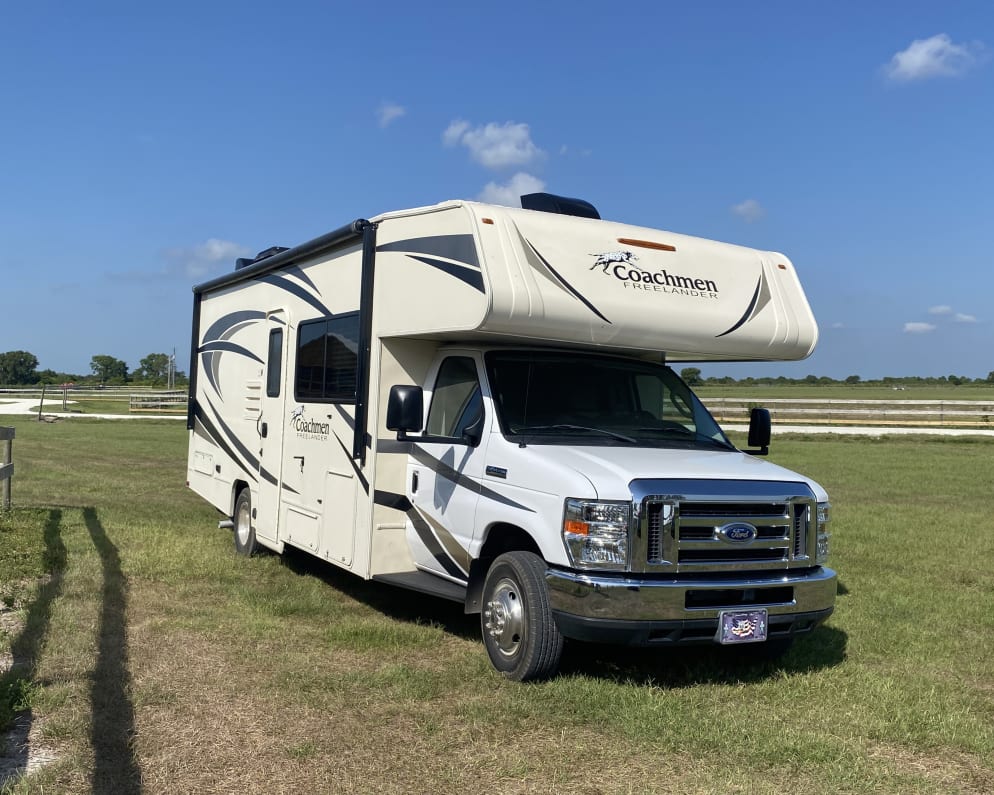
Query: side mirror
<point x="405" y="408"/>
<point x="473" y="433"/>
<point x="759" y="432"/>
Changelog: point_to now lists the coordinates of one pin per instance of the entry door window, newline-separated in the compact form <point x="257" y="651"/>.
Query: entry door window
<point x="457" y="400"/>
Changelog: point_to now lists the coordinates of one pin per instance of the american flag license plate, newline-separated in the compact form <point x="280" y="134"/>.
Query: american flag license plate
<point x="741" y="626"/>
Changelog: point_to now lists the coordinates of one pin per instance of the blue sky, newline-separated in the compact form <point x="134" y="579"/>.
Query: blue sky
<point x="145" y="146"/>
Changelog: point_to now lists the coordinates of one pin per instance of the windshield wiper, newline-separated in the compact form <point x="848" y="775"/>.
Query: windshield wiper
<point x="698" y="437"/>
<point x="566" y="427"/>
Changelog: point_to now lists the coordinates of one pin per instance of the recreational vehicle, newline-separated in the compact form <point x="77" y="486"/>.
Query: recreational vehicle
<point x="476" y="402"/>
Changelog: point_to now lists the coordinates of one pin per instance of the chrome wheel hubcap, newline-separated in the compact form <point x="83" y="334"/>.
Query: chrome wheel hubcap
<point x="504" y="618"/>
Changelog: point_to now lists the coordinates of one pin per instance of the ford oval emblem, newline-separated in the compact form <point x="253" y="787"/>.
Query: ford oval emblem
<point x="738" y="532"/>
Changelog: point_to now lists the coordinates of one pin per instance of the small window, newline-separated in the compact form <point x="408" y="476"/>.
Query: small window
<point x="327" y="359"/>
<point x="457" y="402"/>
<point x="274" y="364"/>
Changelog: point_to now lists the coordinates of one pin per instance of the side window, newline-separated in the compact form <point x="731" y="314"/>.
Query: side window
<point x="274" y="363"/>
<point x="327" y="358"/>
<point x="456" y="402"/>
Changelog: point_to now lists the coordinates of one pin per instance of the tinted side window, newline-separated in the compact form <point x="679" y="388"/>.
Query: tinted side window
<point x="327" y="359"/>
<point x="456" y="402"/>
<point x="274" y="363"/>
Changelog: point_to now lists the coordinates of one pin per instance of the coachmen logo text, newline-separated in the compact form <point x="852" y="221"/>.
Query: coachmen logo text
<point x="622" y="266"/>
<point x="308" y="429"/>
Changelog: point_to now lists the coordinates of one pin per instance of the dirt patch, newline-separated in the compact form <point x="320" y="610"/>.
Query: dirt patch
<point x="952" y="771"/>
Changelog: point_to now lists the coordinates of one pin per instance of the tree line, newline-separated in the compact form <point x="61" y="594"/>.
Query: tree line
<point x="20" y="368"/>
<point x="693" y="377"/>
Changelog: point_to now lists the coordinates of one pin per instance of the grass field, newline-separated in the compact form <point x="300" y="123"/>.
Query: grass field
<point x="154" y="660"/>
<point x="981" y="392"/>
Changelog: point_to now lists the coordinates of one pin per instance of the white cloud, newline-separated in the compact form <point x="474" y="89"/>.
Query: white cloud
<point x="937" y="56"/>
<point x="918" y="328"/>
<point x="942" y="309"/>
<point x="749" y="211"/>
<point x="961" y="318"/>
<point x="195" y="262"/>
<point x="493" y="145"/>
<point x="389" y="112"/>
<point x="510" y="193"/>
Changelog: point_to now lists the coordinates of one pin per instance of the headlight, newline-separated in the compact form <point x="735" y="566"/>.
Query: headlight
<point x="596" y="533"/>
<point x="824" y="516"/>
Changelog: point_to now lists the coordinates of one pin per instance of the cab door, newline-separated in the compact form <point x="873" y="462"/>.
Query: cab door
<point x="269" y="427"/>
<point x="446" y="470"/>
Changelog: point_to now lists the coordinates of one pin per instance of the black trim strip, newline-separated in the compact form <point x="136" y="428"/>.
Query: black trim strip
<point x="576" y="293"/>
<point x="423" y="529"/>
<point x="355" y="467"/>
<point x="748" y="312"/>
<point x="444" y="470"/>
<point x="364" y="355"/>
<point x="349" y="233"/>
<point x="295" y="289"/>
<point x="253" y="462"/>
<point x="474" y="278"/>
<point x="218" y="439"/>
<point x="461" y="248"/>
<point x="232" y="347"/>
<point x="191" y="407"/>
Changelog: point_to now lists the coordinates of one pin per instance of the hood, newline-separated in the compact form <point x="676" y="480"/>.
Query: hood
<point x="611" y="469"/>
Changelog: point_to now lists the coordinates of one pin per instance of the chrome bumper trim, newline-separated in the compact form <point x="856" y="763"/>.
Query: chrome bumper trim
<point x="631" y="599"/>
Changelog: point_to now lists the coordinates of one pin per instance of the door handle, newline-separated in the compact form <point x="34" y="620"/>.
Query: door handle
<point x="264" y="431"/>
<point x="301" y="459"/>
<point x="414" y="482"/>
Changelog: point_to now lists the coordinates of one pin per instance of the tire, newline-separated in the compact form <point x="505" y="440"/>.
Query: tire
<point x="245" y="543"/>
<point x="520" y="634"/>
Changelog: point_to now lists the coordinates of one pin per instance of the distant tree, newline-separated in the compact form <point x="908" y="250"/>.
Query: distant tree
<point x="52" y="377"/>
<point x="853" y="379"/>
<point x="18" y="368"/>
<point x="154" y="368"/>
<point x="692" y="375"/>
<point x="109" y="370"/>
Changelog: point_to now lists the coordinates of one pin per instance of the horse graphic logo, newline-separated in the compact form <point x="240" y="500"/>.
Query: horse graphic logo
<point x="608" y="257"/>
<point x="297" y="413"/>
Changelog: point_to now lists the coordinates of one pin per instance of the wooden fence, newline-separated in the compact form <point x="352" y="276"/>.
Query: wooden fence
<point x="812" y="411"/>
<point x="6" y="465"/>
<point x="159" y="402"/>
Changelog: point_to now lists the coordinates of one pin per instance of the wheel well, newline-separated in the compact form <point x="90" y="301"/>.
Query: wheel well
<point x="236" y="489"/>
<point x="501" y="538"/>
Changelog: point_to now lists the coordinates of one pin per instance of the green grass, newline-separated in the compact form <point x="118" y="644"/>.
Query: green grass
<point x="983" y="392"/>
<point x="156" y="655"/>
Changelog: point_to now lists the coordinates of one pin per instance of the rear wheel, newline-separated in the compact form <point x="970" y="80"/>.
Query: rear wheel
<point x="245" y="543"/>
<point x="520" y="634"/>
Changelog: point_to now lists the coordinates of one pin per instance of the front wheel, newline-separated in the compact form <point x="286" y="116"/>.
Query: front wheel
<point x="520" y="634"/>
<point x="245" y="543"/>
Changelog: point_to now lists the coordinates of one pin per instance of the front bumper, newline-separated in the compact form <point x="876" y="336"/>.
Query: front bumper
<point x="685" y="610"/>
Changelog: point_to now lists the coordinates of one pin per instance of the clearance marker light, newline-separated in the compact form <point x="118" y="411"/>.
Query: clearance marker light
<point x="628" y="241"/>
<point x="487" y="220"/>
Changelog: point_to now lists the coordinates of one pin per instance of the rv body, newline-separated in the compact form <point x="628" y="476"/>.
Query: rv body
<point x="474" y="401"/>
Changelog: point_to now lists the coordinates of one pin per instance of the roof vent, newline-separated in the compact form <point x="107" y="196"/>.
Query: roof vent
<point x="244" y="262"/>
<point x="563" y="205"/>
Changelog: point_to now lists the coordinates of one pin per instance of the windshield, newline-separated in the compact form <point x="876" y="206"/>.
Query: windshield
<point x="560" y="397"/>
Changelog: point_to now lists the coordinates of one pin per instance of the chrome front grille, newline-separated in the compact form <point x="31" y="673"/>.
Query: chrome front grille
<point x="684" y="532"/>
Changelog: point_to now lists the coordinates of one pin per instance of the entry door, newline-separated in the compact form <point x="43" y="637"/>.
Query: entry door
<point x="270" y="428"/>
<point x="446" y="471"/>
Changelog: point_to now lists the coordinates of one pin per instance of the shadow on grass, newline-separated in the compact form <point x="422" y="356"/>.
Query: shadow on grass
<point x="825" y="647"/>
<point x="687" y="666"/>
<point x="391" y="600"/>
<point x="115" y="768"/>
<point x="26" y="648"/>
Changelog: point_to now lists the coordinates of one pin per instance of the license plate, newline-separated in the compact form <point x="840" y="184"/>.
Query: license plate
<point x="741" y="626"/>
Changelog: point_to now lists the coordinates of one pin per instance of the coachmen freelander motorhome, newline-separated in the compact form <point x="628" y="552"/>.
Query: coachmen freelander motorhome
<point x="473" y="401"/>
